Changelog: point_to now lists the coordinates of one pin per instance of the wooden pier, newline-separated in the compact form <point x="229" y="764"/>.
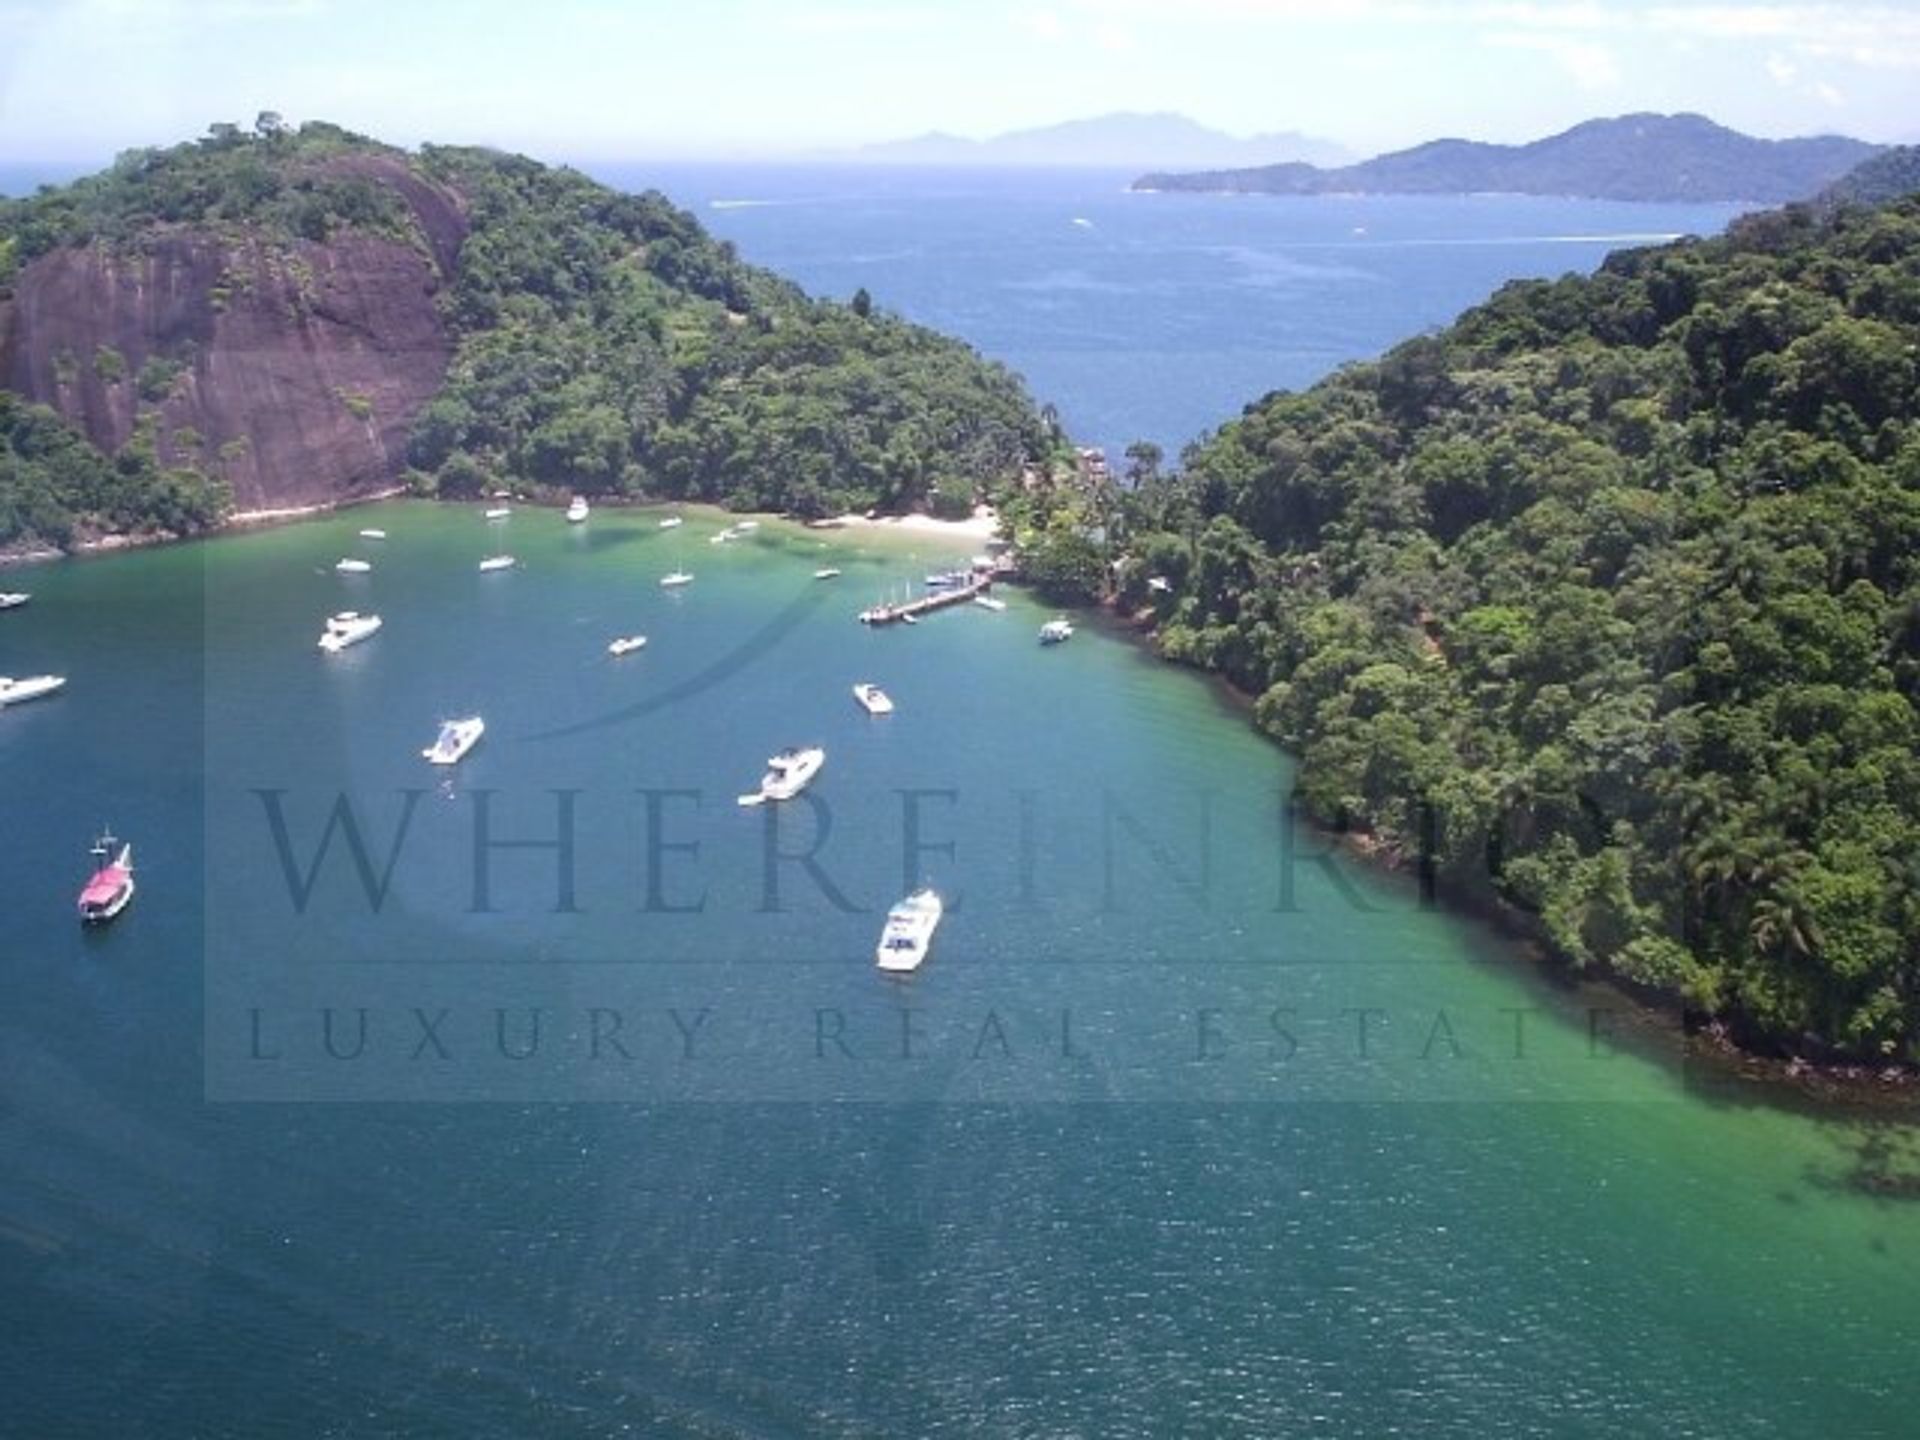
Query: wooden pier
<point x="910" y="610"/>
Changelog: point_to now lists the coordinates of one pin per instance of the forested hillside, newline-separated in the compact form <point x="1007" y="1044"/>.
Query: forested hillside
<point x="1607" y="598"/>
<point x="280" y="316"/>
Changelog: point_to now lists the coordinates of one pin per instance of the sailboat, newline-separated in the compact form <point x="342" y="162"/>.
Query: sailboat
<point x="110" y="890"/>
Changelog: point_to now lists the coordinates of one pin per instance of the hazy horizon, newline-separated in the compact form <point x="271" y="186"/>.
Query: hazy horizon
<point x="762" y="81"/>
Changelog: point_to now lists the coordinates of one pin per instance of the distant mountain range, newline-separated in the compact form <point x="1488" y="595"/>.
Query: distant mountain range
<point x="1631" y="157"/>
<point x="1123" y="141"/>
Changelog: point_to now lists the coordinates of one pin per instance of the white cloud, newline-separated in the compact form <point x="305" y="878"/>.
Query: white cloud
<point x="1781" y="69"/>
<point x="1041" y="25"/>
<point x="1592" y="66"/>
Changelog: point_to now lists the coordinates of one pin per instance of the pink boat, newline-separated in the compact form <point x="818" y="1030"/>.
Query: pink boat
<point x="111" y="888"/>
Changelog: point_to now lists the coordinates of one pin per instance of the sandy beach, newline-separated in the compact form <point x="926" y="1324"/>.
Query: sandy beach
<point x="981" y="526"/>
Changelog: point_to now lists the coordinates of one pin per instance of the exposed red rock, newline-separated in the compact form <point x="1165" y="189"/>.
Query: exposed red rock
<point x="303" y="364"/>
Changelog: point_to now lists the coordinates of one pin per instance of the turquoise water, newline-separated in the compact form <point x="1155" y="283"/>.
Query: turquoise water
<point x="1100" y="1192"/>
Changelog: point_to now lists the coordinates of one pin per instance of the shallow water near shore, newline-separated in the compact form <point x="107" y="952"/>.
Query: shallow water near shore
<point x="1182" y="1127"/>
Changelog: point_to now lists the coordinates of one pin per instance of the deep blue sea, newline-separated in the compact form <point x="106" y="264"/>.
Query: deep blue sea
<point x="1143" y="316"/>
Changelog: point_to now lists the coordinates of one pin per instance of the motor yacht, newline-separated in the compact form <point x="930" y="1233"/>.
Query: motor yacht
<point x="788" y="773"/>
<point x="455" y="739"/>
<point x="908" y="935"/>
<point x="15" y="692"/>
<point x="349" y="627"/>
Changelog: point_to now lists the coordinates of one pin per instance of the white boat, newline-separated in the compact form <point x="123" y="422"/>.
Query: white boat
<point x="14" y="692"/>
<point x="349" y="627"/>
<point x="455" y="739"/>
<point x="497" y="562"/>
<point x="627" y="644"/>
<point x="13" y="599"/>
<point x="788" y="773"/>
<point x="499" y="512"/>
<point x="873" y="699"/>
<point x="987" y="602"/>
<point x="908" y="935"/>
<point x="949" y="579"/>
<point x="353" y="567"/>
<point x="373" y="534"/>
<point x="676" y="579"/>
<point x="723" y="536"/>
<point x="1055" y="631"/>
<point x="829" y="573"/>
<point x="577" y="511"/>
<point x="745" y="526"/>
<point x="109" y="890"/>
<point x="672" y="522"/>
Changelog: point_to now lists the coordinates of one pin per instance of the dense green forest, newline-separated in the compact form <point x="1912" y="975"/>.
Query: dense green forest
<point x="1605" y="599"/>
<point x="608" y="344"/>
<point x="603" y="342"/>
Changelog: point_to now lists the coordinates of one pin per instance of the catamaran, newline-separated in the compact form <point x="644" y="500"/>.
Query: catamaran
<point x="497" y="562"/>
<point x="627" y="644"/>
<point x="110" y="889"/>
<point x="353" y="567"/>
<point x="873" y="699"/>
<point x="676" y="579"/>
<point x="349" y="627"/>
<point x="455" y="739"/>
<point x="788" y="773"/>
<point x="13" y="599"/>
<point x="577" y="511"/>
<point x="1056" y="631"/>
<point x="908" y="935"/>
<point x="14" y="692"/>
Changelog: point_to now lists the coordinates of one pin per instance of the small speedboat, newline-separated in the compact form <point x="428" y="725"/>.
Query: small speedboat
<point x="676" y="579"/>
<point x="627" y="644"/>
<point x="13" y="599"/>
<point x="829" y="573"/>
<point x="110" y="889"/>
<point x="1055" y="632"/>
<point x="577" y="511"/>
<point x="672" y="522"/>
<point x="499" y="512"/>
<point x="455" y="739"/>
<point x="497" y="562"/>
<point x="349" y="627"/>
<point x="788" y="773"/>
<point x="15" y="692"/>
<point x="353" y="567"/>
<point x="373" y="534"/>
<point x="908" y="935"/>
<point x="873" y="699"/>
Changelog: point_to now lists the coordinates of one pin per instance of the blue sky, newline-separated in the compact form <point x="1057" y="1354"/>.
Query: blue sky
<point x="593" y="79"/>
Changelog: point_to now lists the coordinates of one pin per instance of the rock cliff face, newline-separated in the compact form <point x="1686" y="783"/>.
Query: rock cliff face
<point x="291" y="369"/>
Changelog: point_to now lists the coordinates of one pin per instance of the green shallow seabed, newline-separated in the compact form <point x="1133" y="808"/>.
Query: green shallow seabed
<point x="218" y="1229"/>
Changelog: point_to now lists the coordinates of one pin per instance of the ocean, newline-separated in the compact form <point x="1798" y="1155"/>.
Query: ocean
<point x="558" y="1095"/>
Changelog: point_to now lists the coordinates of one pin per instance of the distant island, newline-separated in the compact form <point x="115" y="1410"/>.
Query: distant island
<point x="274" y="319"/>
<point x="1672" y="158"/>
<point x="1124" y="140"/>
<point x="1890" y="175"/>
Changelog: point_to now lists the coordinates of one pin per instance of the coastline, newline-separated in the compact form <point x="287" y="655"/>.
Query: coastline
<point x="981" y="526"/>
<point x="1840" y="1084"/>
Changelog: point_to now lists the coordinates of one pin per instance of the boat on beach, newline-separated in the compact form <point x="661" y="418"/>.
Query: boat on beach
<point x="908" y="935"/>
<point x="15" y="692"/>
<point x="349" y="627"/>
<point x="497" y="562"/>
<point x="627" y="644"/>
<point x="788" y="773"/>
<point x="873" y="699"/>
<point x="110" y="888"/>
<point x="455" y="739"/>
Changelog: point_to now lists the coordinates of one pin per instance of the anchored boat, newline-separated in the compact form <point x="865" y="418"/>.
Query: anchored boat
<point x="110" y="889"/>
<point x="14" y="692"/>
<point x="455" y="739"/>
<point x="873" y="699"/>
<point x="788" y="773"/>
<point x="349" y="627"/>
<point x="908" y="935"/>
